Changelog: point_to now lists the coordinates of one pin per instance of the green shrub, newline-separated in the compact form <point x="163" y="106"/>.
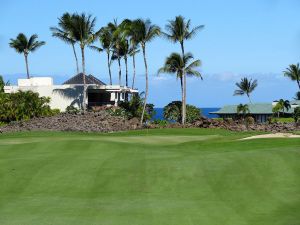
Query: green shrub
<point x="173" y="112"/>
<point x="23" y="106"/>
<point x="117" y="111"/>
<point x="282" y="120"/>
<point x="2" y="84"/>
<point x="249" y="120"/>
<point x="161" y="123"/>
<point x="72" y="109"/>
<point x="134" y="108"/>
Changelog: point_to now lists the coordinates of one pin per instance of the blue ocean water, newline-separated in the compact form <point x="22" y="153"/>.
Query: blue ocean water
<point x="205" y="113"/>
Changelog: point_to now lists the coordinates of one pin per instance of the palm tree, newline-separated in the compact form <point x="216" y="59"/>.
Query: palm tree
<point x="179" y="30"/>
<point x="246" y="87"/>
<point x="64" y="33"/>
<point x="133" y="50"/>
<point x="106" y="39"/>
<point x="129" y="32"/>
<point x="297" y="96"/>
<point x="82" y="28"/>
<point x="118" y="44"/>
<point x="293" y="72"/>
<point x="24" y="46"/>
<point x="244" y="109"/>
<point x="181" y="66"/>
<point x="145" y="32"/>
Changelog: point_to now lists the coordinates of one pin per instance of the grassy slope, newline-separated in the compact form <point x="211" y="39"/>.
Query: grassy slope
<point x="152" y="177"/>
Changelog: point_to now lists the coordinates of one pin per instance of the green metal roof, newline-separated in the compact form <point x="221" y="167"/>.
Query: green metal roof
<point x="258" y="108"/>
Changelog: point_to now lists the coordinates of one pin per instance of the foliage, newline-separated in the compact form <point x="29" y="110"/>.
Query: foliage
<point x="24" y="46"/>
<point x="161" y="123"/>
<point x="282" y="120"/>
<point x="134" y="107"/>
<point x="293" y="72"/>
<point x="173" y="112"/>
<point x="23" y="106"/>
<point x="297" y="114"/>
<point x="117" y="111"/>
<point x="281" y="106"/>
<point x="245" y="87"/>
<point x="249" y="120"/>
<point x="244" y="109"/>
<point x="72" y="109"/>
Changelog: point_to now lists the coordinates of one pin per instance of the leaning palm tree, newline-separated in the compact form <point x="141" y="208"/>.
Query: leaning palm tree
<point x="293" y="72"/>
<point x="246" y="87"/>
<point x="179" y="30"/>
<point x="82" y="28"/>
<point x="181" y="66"/>
<point x="64" y="33"/>
<point x="24" y="46"/>
<point x="145" y="32"/>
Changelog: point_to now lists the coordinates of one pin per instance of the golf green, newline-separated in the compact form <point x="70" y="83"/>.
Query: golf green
<point x="155" y="177"/>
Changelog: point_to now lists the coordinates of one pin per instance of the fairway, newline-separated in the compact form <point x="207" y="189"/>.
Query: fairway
<point x="149" y="177"/>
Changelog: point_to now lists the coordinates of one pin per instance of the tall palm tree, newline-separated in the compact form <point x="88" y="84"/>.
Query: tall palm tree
<point x="82" y="28"/>
<point x="246" y="87"/>
<point x="118" y="44"/>
<point x="64" y="33"/>
<point x="179" y="30"/>
<point x="133" y="50"/>
<point x="181" y="66"/>
<point x="145" y="32"/>
<point x="244" y="109"/>
<point x="106" y="39"/>
<point x="24" y="46"/>
<point x="293" y="72"/>
<point x="133" y="36"/>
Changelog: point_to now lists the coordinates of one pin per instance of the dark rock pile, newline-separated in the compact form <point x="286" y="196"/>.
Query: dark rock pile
<point x="89" y="122"/>
<point x="242" y="126"/>
<point x="235" y="125"/>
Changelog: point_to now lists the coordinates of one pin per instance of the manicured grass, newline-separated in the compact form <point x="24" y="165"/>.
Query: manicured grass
<point x="155" y="177"/>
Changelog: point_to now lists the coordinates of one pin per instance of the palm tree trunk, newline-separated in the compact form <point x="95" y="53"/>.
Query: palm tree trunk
<point x="76" y="59"/>
<point x="133" y="79"/>
<point x="108" y="64"/>
<point x="146" y="90"/>
<point x="84" y="81"/>
<point x="120" y="70"/>
<point x="27" y="68"/>
<point x="126" y="66"/>
<point x="298" y="81"/>
<point x="183" y="89"/>
<point x="249" y="99"/>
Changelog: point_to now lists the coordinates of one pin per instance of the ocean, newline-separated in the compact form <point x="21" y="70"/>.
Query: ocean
<point x="205" y="113"/>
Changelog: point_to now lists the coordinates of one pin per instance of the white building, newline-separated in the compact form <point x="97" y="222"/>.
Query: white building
<point x="71" y="91"/>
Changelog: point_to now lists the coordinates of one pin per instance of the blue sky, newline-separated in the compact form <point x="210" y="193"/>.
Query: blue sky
<point x="253" y="38"/>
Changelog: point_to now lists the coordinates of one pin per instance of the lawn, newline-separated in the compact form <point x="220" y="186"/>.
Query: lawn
<point x="155" y="177"/>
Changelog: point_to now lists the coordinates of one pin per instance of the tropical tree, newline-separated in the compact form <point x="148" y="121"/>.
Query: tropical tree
<point x="133" y="50"/>
<point x="64" y="33"/>
<point x="181" y="66"/>
<point x="246" y="87"/>
<point x="145" y="32"/>
<point x="82" y="29"/>
<point x="244" y="109"/>
<point x="281" y="106"/>
<point x="118" y="44"/>
<point x="24" y="46"/>
<point x="106" y="39"/>
<point x="173" y="112"/>
<point x="179" y="30"/>
<point x="293" y="72"/>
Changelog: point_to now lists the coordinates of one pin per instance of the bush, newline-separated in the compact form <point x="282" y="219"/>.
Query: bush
<point x="134" y="108"/>
<point x="117" y="111"/>
<point x="72" y="109"/>
<point x="249" y="120"/>
<point x="282" y="120"/>
<point x="2" y="84"/>
<point x="161" y="123"/>
<point x="173" y="112"/>
<point x="23" y="106"/>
